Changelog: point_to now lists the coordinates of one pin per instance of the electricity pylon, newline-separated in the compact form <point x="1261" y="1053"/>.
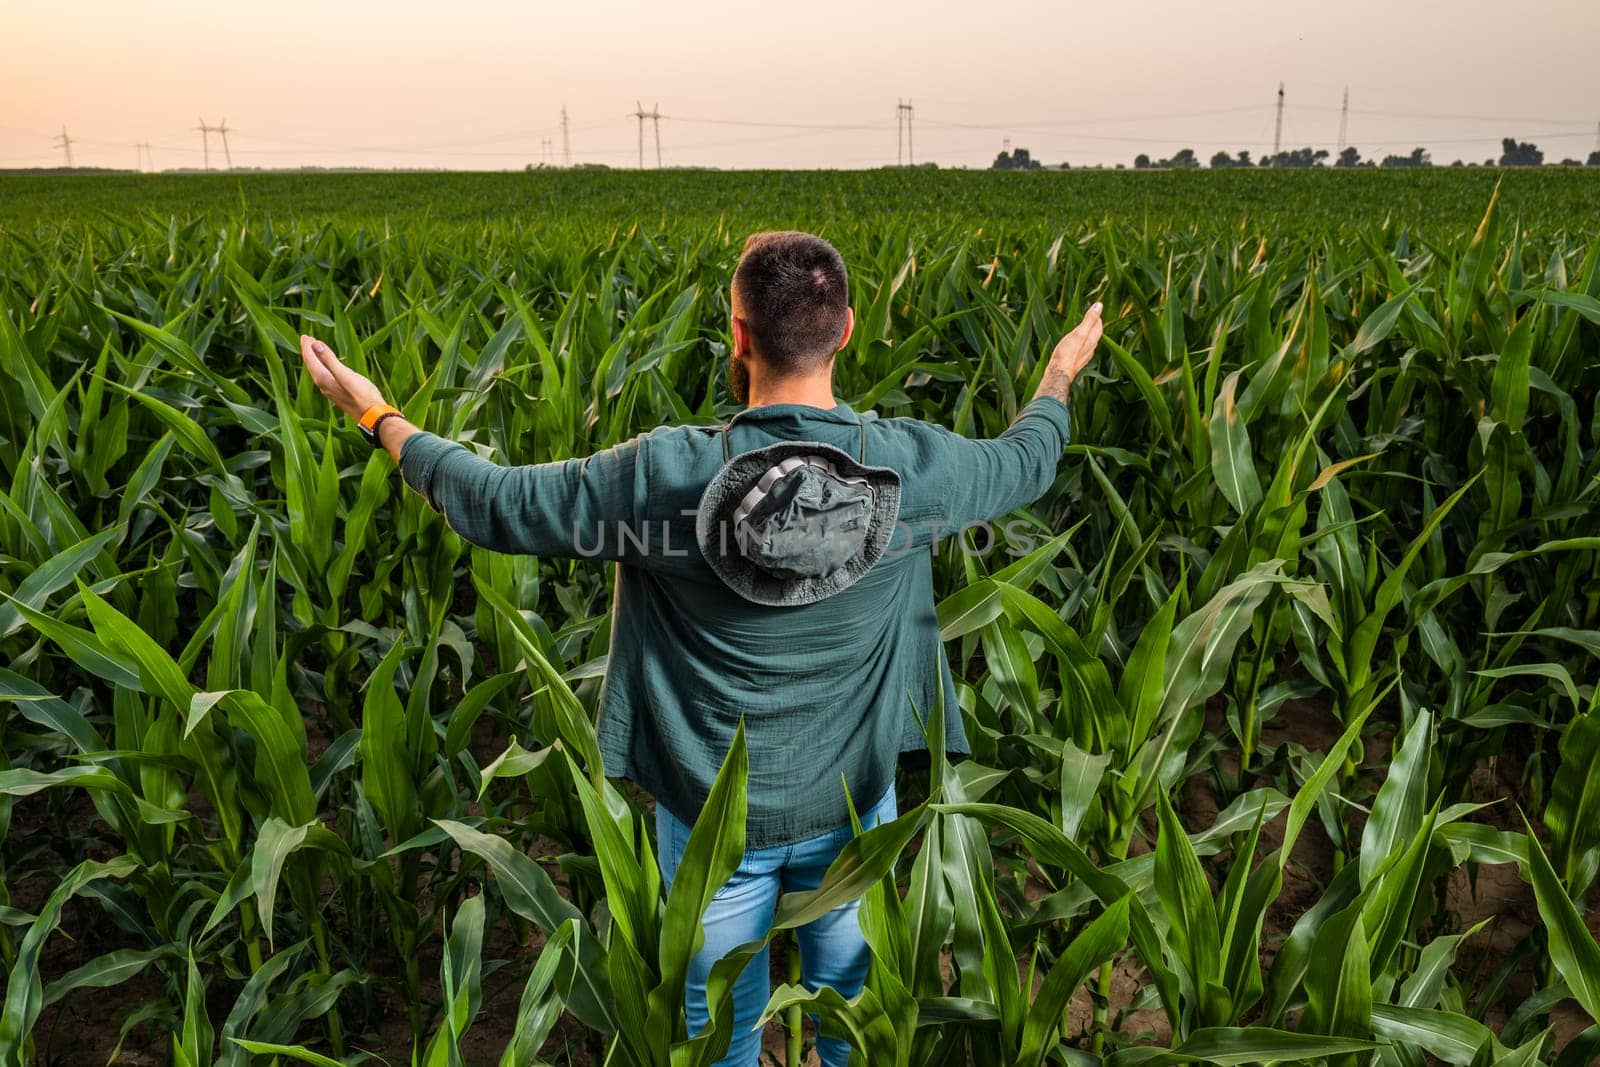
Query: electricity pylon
<point x="64" y="143"/>
<point x="654" y="115"/>
<point x="205" y="140"/>
<point x="205" y="135"/>
<point x="1277" y="133"/>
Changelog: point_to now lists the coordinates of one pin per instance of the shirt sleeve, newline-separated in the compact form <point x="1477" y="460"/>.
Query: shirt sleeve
<point x="576" y="508"/>
<point x="986" y="479"/>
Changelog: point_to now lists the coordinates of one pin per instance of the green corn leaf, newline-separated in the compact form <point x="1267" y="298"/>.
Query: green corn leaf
<point x="629" y="892"/>
<point x="1232" y="464"/>
<point x="56" y="573"/>
<point x="102" y="972"/>
<point x="970" y="609"/>
<point x="1191" y="912"/>
<point x="1572" y="947"/>
<point x="386" y="765"/>
<point x="540" y="1006"/>
<point x="1573" y="812"/>
<point x="1098" y="942"/>
<point x="1081" y="775"/>
<point x="159" y="673"/>
<point x="577" y="730"/>
<point x="712" y="854"/>
<point x="192" y="1046"/>
<point x="1364" y="640"/>
<point x="1381" y="322"/>
<point x="514" y="762"/>
<point x="43" y="708"/>
<point x="1451" y="1037"/>
<point x="1011" y="667"/>
<point x="1228" y="1046"/>
<point x="461" y="977"/>
<point x="1339" y="987"/>
<point x="280" y="756"/>
<point x="298" y="1053"/>
<point x="529" y="892"/>
<point x="1387" y="917"/>
<point x="524" y="884"/>
<point x="1402" y="799"/>
<point x="86" y="649"/>
<point x="185" y="430"/>
<point x="1423" y="985"/>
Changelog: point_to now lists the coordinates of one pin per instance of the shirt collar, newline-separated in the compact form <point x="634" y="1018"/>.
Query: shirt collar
<point x="841" y="413"/>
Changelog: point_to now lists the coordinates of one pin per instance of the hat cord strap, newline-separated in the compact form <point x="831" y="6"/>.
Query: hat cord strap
<point x="726" y="456"/>
<point x="863" y="424"/>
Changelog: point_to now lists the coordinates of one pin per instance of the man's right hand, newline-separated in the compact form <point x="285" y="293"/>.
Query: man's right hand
<point x="351" y="392"/>
<point x="1071" y="355"/>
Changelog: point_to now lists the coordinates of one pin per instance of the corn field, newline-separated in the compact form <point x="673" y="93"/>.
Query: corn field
<point x="1285" y="736"/>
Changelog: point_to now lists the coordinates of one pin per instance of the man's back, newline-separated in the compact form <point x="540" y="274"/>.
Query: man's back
<point x="837" y="684"/>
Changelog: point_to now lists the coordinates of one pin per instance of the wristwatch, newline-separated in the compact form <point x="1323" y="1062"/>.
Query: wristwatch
<point x="372" y="418"/>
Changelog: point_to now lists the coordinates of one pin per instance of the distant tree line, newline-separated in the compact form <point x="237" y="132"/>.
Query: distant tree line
<point x="1513" y="153"/>
<point x="1019" y="159"/>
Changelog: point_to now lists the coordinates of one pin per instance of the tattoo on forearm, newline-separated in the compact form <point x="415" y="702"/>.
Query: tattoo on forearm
<point x="1056" y="382"/>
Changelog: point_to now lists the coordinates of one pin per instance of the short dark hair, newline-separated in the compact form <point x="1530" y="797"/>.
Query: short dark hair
<point x="794" y="296"/>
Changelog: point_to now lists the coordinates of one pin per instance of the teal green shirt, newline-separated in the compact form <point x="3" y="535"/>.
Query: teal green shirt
<point x="826" y="689"/>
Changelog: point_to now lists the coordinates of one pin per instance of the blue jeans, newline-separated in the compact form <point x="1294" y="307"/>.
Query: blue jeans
<point x="832" y="950"/>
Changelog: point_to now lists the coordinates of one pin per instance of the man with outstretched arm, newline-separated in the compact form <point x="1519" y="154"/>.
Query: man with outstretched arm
<point x="776" y="568"/>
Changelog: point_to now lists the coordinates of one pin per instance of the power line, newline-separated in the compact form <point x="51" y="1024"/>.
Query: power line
<point x="300" y="146"/>
<point x="1523" y="120"/>
<point x="1093" y="121"/>
<point x="1424" y="141"/>
<point x="774" y="125"/>
<point x="499" y="138"/>
<point x="1111" y="138"/>
<point x="423" y="149"/>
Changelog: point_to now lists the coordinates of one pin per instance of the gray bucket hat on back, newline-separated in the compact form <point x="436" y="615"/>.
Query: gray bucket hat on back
<point x="797" y="521"/>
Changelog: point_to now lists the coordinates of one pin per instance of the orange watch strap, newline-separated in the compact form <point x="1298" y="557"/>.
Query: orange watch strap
<point x="369" y="418"/>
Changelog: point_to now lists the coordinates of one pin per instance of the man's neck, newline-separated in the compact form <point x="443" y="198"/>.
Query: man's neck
<point x="816" y="392"/>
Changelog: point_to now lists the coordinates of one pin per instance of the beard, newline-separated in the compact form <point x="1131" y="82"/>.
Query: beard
<point x="738" y="380"/>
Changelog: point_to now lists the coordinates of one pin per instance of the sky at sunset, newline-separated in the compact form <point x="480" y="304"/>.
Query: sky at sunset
<point x="479" y="84"/>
